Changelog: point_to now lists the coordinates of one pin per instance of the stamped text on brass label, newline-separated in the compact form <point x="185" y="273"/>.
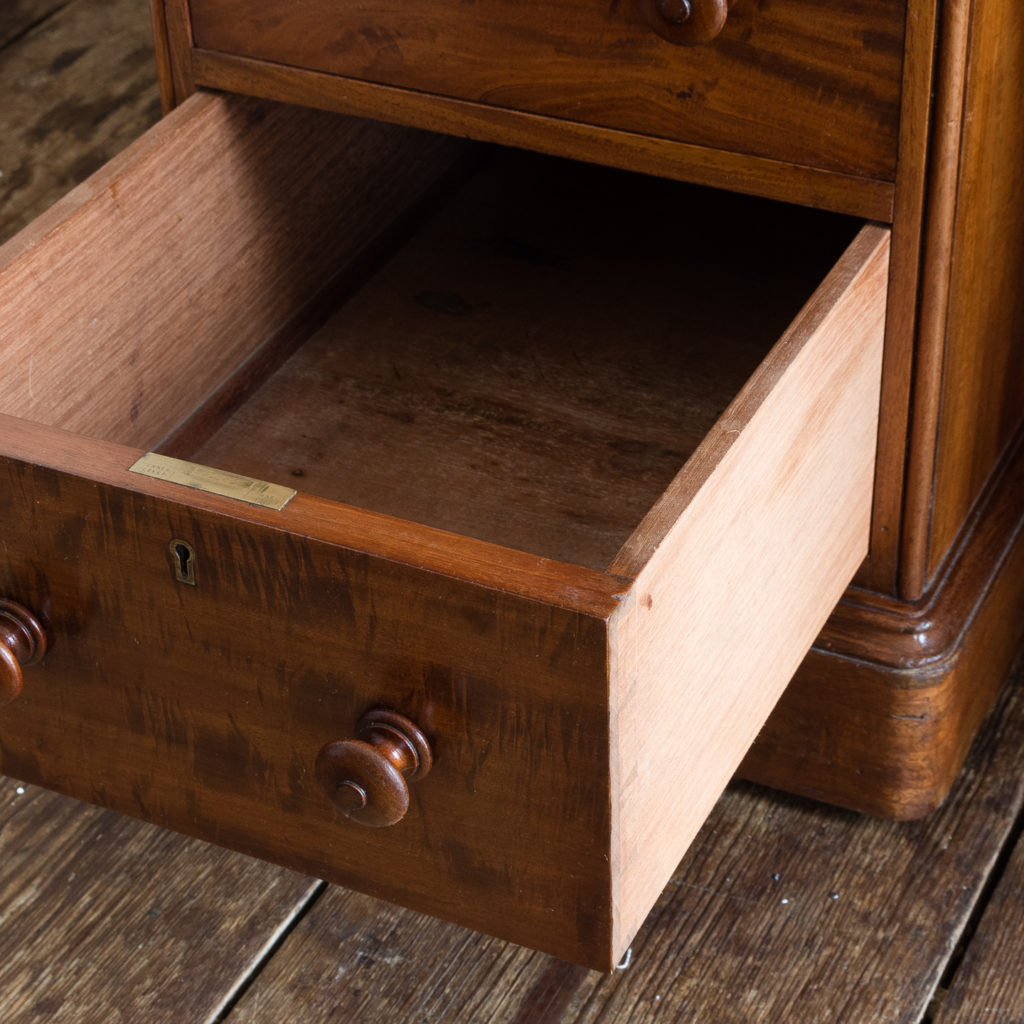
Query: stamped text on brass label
<point x="215" y="481"/>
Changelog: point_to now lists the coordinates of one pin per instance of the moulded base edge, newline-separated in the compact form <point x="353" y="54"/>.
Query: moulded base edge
<point x="881" y="713"/>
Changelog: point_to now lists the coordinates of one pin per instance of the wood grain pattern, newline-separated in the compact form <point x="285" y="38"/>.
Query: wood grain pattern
<point x="880" y="572"/>
<point x="172" y="37"/>
<point x="954" y="37"/>
<point x="178" y="703"/>
<point x="902" y="881"/>
<point x="783" y="910"/>
<point x="757" y="89"/>
<point x="931" y="630"/>
<point x="922" y="671"/>
<point x="106" y="919"/>
<point x="989" y="985"/>
<point x="981" y="394"/>
<point x="775" y="505"/>
<point x="144" y="530"/>
<point x="527" y="373"/>
<point x="223" y="200"/>
<point x="935" y="52"/>
<point x="409" y="544"/>
<point x="884" y="727"/>
<point x="63" y="113"/>
<point x="863" y="197"/>
<point x="511" y="683"/>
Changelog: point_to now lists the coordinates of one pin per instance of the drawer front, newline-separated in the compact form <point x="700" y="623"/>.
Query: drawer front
<point x="808" y="82"/>
<point x="204" y="708"/>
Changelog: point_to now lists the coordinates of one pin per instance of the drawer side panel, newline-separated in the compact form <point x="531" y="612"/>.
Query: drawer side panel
<point x="124" y="305"/>
<point x="742" y="563"/>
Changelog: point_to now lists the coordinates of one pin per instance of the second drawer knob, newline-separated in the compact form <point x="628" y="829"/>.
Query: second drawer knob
<point x="685" y="22"/>
<point x="367" y="778"/>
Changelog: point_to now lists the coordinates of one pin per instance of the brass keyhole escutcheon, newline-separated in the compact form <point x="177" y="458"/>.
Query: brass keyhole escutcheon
<point x="183" y="561"/>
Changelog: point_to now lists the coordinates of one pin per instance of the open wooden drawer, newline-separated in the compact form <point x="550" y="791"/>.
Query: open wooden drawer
<point x="526" y="519"/>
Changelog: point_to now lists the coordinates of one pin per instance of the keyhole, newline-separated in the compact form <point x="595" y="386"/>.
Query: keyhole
<point x="183" y="558"/>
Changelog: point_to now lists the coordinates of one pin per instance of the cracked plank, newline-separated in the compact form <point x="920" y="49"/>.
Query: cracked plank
<point x="989" y="984"/>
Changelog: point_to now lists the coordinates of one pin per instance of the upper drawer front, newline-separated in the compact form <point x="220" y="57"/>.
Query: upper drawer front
<point x="810" y="82"/>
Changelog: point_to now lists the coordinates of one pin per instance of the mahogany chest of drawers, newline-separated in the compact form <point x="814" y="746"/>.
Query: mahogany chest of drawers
<point x="522" y="474"/>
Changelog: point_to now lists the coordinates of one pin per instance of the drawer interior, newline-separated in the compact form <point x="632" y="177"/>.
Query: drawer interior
<point x="536" y="364"/>
<point x="531" y="366"/>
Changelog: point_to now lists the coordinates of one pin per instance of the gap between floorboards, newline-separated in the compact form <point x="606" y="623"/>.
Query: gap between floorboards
<point x="245" y="980"/>
<point x="1014" y="835"/>
<point x="32" y="26"/>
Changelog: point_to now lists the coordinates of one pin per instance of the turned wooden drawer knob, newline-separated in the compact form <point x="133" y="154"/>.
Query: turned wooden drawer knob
<point x="367" y="778"/>
<point x="22" y="643"/>
<point x="685" y="22"/>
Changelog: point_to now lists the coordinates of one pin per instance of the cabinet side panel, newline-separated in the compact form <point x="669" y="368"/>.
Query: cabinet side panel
<point x="729" y="602"/>
<point x="982" y="390"/>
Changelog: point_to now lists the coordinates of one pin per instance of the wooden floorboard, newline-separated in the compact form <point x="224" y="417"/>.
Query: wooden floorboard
<point x="77" y="89"/>
<point x="106" y="919"/>
<point x="19" y="16"/>
<point x="784" y="910"/>
<point x="988" y="986"/>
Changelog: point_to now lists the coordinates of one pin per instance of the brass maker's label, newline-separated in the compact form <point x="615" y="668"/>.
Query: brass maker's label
<point x="214" y="481"/>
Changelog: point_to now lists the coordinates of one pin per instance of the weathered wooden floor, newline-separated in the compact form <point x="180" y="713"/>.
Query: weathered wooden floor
<point x="784" y="911"/>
